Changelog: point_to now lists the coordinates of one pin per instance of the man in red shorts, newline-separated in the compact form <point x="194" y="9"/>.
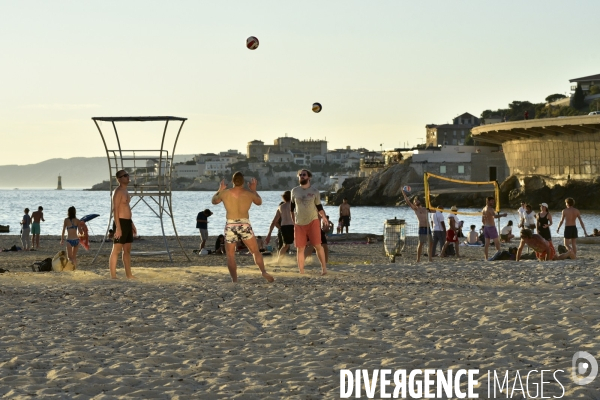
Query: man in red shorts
<point x="305" y="208"/>
<point x="544" y="249"/>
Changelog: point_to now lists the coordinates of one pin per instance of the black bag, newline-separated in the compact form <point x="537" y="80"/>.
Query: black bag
<point x="42" y="266"/>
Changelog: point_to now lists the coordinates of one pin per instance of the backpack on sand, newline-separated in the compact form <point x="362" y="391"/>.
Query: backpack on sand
<point x="42" y="266"/>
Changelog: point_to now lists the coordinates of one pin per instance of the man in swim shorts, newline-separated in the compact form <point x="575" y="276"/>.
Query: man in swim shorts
<point x="570" y="215"/>
<point x="36" y="217"/>
<point x="544" y="249"/>
<point x="305" y="210"/>
<point x="237" y="202"/>
<point x="125" y="230"/>
<point x="345" y="214"/>
<point x="488" y="218"/>
<point x="424" y="231"/>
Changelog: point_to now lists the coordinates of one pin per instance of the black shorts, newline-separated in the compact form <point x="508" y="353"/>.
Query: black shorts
<point x="346" y="220"/>
<point x="287" y="232"/>
<point x="571" y="232"/>
<point x="126" y="232"/>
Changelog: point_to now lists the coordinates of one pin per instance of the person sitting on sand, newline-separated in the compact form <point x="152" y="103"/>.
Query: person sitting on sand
<point x="237" y="201"/>
<point x="544" y="249"/>
<point x="220" y="245"/>
<point x="506" y="233"/>
<point x="596" y="233"/>
<point x="473" y="237"/>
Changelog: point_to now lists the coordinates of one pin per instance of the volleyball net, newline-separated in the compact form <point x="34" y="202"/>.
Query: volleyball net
<point x="439" y="185"/>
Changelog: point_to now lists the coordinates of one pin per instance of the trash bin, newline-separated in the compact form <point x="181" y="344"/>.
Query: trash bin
<point x="394" y="236"/>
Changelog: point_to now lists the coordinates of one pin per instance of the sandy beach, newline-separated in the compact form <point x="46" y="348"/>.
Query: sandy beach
<point x="182" y="329"/>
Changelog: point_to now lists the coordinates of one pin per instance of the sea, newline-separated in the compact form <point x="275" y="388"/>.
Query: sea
<point x="186" y="205"/>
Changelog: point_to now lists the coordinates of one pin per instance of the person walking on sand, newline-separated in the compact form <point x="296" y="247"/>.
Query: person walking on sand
<point x="305" y="209"/>
<point x="25" y="223"/>
<point x="345" y="214"/>
<point x="424" y="231"/>
<point x="439" y="229"/>
<point x="202" y="225"/>
<point x="71" y="225"/>
<point x="544" y="220"/>
<point x="237" y="201"/>
<point x="36" y="217"/>
<point x="284" y="222"/>
<point x="544" y="249"/>
<point x="125" y="229"/>
<point x="570" y="215"/>
<point x="488" y="218"/>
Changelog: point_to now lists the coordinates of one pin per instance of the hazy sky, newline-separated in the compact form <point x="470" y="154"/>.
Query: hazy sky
<point x="381" y="69"/>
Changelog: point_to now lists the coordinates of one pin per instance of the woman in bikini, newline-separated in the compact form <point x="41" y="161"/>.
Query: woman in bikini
<point x="70" y="225"/>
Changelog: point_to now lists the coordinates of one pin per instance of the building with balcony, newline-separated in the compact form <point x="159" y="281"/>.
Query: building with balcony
<point x="585" y="83"/>
<point x="258" y="148"/>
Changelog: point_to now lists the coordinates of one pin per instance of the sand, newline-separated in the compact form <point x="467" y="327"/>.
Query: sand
<point x="183" y="329"/>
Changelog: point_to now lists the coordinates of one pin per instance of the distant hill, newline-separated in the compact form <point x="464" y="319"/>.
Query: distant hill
<point x="77" y="172"/>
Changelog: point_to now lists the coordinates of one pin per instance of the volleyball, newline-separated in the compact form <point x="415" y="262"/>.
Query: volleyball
<point x="406" y="189"/>
<point x="317" y="107"/>
<point x="252" y="43"/>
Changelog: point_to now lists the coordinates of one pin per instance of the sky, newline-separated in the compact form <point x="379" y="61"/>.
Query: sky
<point x="382" y="70"/>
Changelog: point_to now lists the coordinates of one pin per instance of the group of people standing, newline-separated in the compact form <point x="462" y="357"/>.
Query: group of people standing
<point x="30" y="224"/>
<point x="300" y="218"/>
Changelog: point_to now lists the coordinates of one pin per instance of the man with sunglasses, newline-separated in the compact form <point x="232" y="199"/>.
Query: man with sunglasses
<point x="124" y="228"/>
<point x="306" y="207"/>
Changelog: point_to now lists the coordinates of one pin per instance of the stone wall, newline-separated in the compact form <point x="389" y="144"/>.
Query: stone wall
<point x="481" y="163"/>
<point x="574" y="156"/>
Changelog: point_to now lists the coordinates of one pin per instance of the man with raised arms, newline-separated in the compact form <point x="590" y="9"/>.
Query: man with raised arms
<point x="237" y="201"/>
<point x="488" y="218"/>
<point x="544" y="249"/>
<point x="570" y="215"/>
<point x="305" y="209"/>
<point x="125" y="229"/>
<point x="424" y="231"/>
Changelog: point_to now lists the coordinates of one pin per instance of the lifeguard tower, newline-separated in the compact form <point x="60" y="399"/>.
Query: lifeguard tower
<point x="150" y="170"/>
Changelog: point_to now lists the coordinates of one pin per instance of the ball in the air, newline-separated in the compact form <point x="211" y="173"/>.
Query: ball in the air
<point x="406" y="189"/>
<point x="252" y="43"/>
<point x="317" y="107"/>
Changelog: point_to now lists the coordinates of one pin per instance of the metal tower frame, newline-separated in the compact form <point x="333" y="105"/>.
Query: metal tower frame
<point x="154" y="191"/>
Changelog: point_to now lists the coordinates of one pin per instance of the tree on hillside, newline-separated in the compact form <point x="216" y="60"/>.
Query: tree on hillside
<point x="578" y="98"/>
<point x="595" y="89"/>
<point x="553" y="97"/>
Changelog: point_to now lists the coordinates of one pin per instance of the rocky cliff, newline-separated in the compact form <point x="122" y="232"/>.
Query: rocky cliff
<point x="384" y="189"/>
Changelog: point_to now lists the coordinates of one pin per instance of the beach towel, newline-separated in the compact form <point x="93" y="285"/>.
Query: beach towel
<point x="82" y="234"/>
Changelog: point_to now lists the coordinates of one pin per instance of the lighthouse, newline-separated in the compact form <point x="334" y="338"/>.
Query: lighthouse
<point x="59" y="187"/>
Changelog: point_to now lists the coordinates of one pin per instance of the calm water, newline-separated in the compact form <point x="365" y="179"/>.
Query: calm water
<point x="186" y="206"/>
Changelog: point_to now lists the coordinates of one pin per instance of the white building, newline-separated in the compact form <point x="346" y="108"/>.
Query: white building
<point x="187" y="171"/>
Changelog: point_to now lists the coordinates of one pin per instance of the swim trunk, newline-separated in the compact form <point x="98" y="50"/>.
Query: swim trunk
<point x="490" y="232"/>
<point x="203" y="233"/>
<point x="304" y="233"/>
<point x="287" y="233"/>
<point x="345" y="220"/>
<point x="35" y="228"/>
<point x="450" y="236"/>
<point x="238" y="229"/>
<point x="424" y="234"/>
<point x="571" y="232"/>
<point x="126" y="232"/>
<point x="73" y="242"/>
<point x="541" y="256"/>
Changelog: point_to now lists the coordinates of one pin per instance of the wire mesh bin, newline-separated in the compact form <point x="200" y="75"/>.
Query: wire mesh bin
<point x="394" y="237"/>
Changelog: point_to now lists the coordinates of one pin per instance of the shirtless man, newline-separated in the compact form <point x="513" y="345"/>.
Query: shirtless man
<point x="489" y="224"/>
<point x="424" y="231"/>
<point x="544" y="249"/>
<point x="237" y="202"/>
<point x="284" y="222"/>
<point x="570" y="215"/>
<point x="125" y="229"/>
<point x="345" y="214"/>
<point x="36" y="217"/>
